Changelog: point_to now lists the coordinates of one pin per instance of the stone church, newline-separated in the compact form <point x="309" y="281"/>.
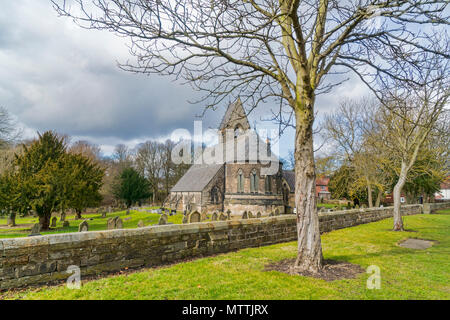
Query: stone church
<point x="240" y="182"/>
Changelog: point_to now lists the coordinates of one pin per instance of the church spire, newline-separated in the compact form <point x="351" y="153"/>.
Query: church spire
<point x="235" y="117"/>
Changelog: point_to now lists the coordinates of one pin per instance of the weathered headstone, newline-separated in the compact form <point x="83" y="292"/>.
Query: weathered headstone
<point x="83" y="227"/>
<point x="35" y="230"/>
<point x="228" y="214"/>
<point x="111" y="223"/>
<point x="194" y="217"/>
<point x="250" y="215"/>
<point x="119" y="223"/>
<point x="214" y="216"/>
<point x="53" y="224"/>
<point x="104" y="213"/>
<point x="141" y="224"/>
<point x="245" y="215"/>
<point x="66" y="224"/>
<point x="223" y="217"/>
<point x="163" y="219"/>
<point x="258" y="215"/>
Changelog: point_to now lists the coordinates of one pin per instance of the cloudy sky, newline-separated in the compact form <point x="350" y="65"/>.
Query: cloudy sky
<point x="57" y="76"/>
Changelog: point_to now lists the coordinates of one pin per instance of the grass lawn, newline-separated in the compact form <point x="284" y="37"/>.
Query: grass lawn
<point x="405" y="273"/>
<point x="98" y="223"/>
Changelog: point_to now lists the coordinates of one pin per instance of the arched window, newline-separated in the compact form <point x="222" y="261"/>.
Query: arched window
<point x="240" y="181"/>
<point x="254" y="182"/>
<point x="268" y="184"/>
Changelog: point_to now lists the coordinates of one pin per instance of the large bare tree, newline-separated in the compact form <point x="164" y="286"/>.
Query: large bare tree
<point x="284" y="50"/>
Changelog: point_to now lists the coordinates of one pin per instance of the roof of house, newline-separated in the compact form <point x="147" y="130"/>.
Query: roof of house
<point x="322" y="181"/>
<point x="289" y="176"/>
<point x="196" y="178"/>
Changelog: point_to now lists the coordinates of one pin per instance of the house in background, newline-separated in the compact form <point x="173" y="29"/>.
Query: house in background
<point x="322" y="191"/>
<point x="444" y="193"/>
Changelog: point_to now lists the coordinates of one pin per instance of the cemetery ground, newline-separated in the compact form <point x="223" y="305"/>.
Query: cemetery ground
<point x="405" y="273"/>
<point x="95" y="221"/>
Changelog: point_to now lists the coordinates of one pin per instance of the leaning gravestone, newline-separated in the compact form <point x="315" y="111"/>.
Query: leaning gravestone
<point x="163" y="219"/>
<point x="141" y="224"/>
<point x="214" y="216"/>
<point x="222" y="216"/>
<point x="35" y="230"/>
<point x="194" y="217"/>
<point x="53" y="225"/>
<point x="111" y="223"/>
<point x="83" y="227"/>
<point x="258" y="215"/>
<point x="118" y="223"/>
<point x="245" y="215"/>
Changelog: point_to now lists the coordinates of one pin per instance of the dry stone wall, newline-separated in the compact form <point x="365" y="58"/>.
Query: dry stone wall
<point x="41" y="259"/>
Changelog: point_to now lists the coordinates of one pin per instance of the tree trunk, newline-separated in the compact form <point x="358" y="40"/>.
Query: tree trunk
<point x="78" y="215"/>
<point x="44" y="221"/>
<point x="309" y="256"/>
<point x="11" y="221"/>
<point x="63" y="215"/>
<point x="398" y="222"/>
<point x="378" y="201"/>
<point x="369" y="194"/>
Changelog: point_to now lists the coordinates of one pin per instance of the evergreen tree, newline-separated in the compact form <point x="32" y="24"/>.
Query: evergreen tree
<point x="132" y="187"/>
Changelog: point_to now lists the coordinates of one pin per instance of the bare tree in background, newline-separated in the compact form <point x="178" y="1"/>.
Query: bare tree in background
<point x="8" y="129"/>
<point x="283" y="50"/>
<point x="149" y="160"/>
<point x="410" y="115"/>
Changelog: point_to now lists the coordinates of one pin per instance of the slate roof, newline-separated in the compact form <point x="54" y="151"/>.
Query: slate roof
<point x="196" y="178"/>
<point x="289" y="176"/>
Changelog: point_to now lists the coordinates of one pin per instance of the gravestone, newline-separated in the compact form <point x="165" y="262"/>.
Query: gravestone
<point x="214" y="216"/>
<point x="109" y="210"/>
<point x="185" y="219"/>
<point x="83" y="227"/>
<point x="111" y="223"/>
<point x="163" y="219"/>
<point x="194" y="217"/>
<point x="357" y="206"/>
<point x="159" y="211"/>
<point x="228" y="214"/>
<point x="66" y="224"/>
<point x="141" y="224"/>
<point x="53" y="224"/>
<point x="104" y="213"/>
<point x="223" y="217"/>
<point x="250" y="215"/>
<point x="277" y="212"/>
<point x="258" y="215"/>
<point x="128" y="211"/>
<point x="118" y="223"/>
<point x="35" y="230"/>
<point x="363" y="206"/>
<point x="245" y="215"/>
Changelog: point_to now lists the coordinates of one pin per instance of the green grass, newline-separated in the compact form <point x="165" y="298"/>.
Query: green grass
<point x="98" y="223"/>
<point x="405" y="273"/>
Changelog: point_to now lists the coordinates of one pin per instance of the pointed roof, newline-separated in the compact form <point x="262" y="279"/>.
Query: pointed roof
<point x="235" y="114"/>
<point x="196" y="178"/>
